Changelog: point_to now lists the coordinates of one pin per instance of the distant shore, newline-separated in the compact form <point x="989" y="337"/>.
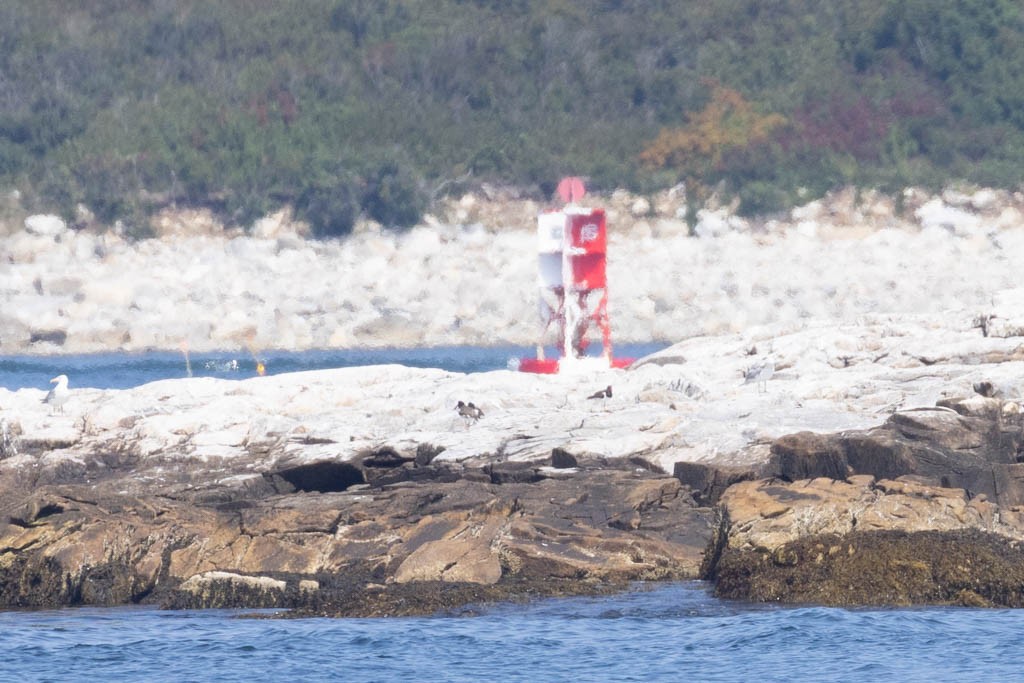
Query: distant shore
<point x="467" y="276"/>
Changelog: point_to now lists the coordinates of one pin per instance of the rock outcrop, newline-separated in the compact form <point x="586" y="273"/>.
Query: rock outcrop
<point x="889" y="451"/>
<point x="883" y="568"/>
<point x="926" y="508"/>
<point x="68" y="544"/>
<point x="357" y="491"/>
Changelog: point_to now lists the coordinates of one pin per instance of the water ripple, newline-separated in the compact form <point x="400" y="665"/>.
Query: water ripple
<point x="671" y="632"/>
<point x="125" y="370"/>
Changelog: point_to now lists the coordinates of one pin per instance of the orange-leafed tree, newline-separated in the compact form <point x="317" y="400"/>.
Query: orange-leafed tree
<point x="727" y="123"/>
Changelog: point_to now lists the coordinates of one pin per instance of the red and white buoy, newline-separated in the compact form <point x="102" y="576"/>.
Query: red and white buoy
<point x="572" y="245"/>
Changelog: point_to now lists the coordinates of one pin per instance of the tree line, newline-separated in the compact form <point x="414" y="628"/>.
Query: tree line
<point x="342" y="108"/>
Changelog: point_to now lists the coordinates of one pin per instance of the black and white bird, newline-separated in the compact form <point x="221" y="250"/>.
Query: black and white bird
<point x="760" y="373"/>
<point x="58" y="396"/>
<point x="469" y="411"/>
<point x="604" y="393"/>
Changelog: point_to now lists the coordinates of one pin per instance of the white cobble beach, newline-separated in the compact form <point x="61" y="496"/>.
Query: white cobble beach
<point x="468" y="275"/>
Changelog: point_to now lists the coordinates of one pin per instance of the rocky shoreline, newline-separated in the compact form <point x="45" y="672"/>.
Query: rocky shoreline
<point x="440" y="543"/>
<point x="881" y="465"/>
<point x="467" y="275"/>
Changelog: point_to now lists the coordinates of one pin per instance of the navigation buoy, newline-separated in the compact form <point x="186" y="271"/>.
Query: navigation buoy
<point x="571" y="189"/>
<point x="572" y="247"/>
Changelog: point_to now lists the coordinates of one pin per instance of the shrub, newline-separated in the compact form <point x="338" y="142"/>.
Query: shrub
<point x="244" y="206"/>
<point x="759" y="197"/>
<point x="394" y="197"/>
<point x="330" y="209"/>
<point x="215" y="104"/>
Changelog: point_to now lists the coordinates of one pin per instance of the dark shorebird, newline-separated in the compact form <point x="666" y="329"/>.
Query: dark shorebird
<point x="58" y="395"/>
<point x="469" y="411"/>
<point x="604" y="393"/>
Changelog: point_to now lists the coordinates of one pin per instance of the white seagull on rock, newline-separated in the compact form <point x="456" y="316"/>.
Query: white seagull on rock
<point x="58" y="395"/>
<point x="760" y="373"/>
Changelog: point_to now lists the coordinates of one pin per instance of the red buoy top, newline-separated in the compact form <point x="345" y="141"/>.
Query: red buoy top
<point x="571" y="189"/>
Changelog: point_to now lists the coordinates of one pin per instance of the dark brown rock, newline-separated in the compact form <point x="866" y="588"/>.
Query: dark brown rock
<point x="928" y="512"/>
<point x="944" y="446"/>
<point x="985" y="388"/>
<point x="399" y="531"/>
<point x="563" y="459"/>
<point x="878" y="452"/>
<point x="970" y="568"/>
<point x="513" y="472"/>
<point x="272" y="541"/>
<point x="709" y="482"/>
<point x="807" y="455"/>
<point x="425" y="453"/>
<point x="323" y="477"/>
<point x="964" y="444"/>
<point x="55" y="337"/>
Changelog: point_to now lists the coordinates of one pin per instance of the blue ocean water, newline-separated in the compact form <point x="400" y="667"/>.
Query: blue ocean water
<point x="124" y="370"/>
<point x="673" y="632"/>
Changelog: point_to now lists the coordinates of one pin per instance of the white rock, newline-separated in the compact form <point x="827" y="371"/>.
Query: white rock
<point x="45" y="225"/>
<point x="1009" y="218"/>
<point x="690" y="405"/>
<point x="276" y="225"/>
<point x="807" y="228"/>
<point x="478" y="284"/>
<point x="1005" y="318"/>
<point x="83" y="214"/>
<point x="25" y="247"/>
<point x="810" y="211"/>
<point x="111" y="292"/>
<point x="955" y="197"/>
<point x="711" y="223"/>
<point x="935" y="213"/>
<point x="666" y="229"/>
<point x="62" y="285"/>
<point x="984" y="199"/>
<point x="84" y="247"/>
<point x="201" y="582"/>
<point x="641" y="231"/>
<point x="640" y="207"/>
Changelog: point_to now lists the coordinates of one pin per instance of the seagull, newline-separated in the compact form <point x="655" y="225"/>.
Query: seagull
<point x="760" y="373"/>
<point x="604" y="393"/>
<point x="58" y="395"/>
<point x="469" y="411"/>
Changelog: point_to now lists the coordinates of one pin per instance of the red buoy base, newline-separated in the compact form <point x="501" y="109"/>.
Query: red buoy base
<point x="551" y="366"/>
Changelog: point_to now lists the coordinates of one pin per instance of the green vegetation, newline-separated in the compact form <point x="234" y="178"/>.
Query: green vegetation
<point x="378" y="107"/>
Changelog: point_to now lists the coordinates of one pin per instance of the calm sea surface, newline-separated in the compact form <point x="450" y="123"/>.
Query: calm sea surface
<point x="666" y="632"/>
<point x="123" y="370"/>
<point x="674" y="632"/>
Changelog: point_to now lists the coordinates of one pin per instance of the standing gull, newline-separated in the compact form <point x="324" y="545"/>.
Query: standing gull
<point x="58" y="395"/>
<point x="760" y="373"/>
